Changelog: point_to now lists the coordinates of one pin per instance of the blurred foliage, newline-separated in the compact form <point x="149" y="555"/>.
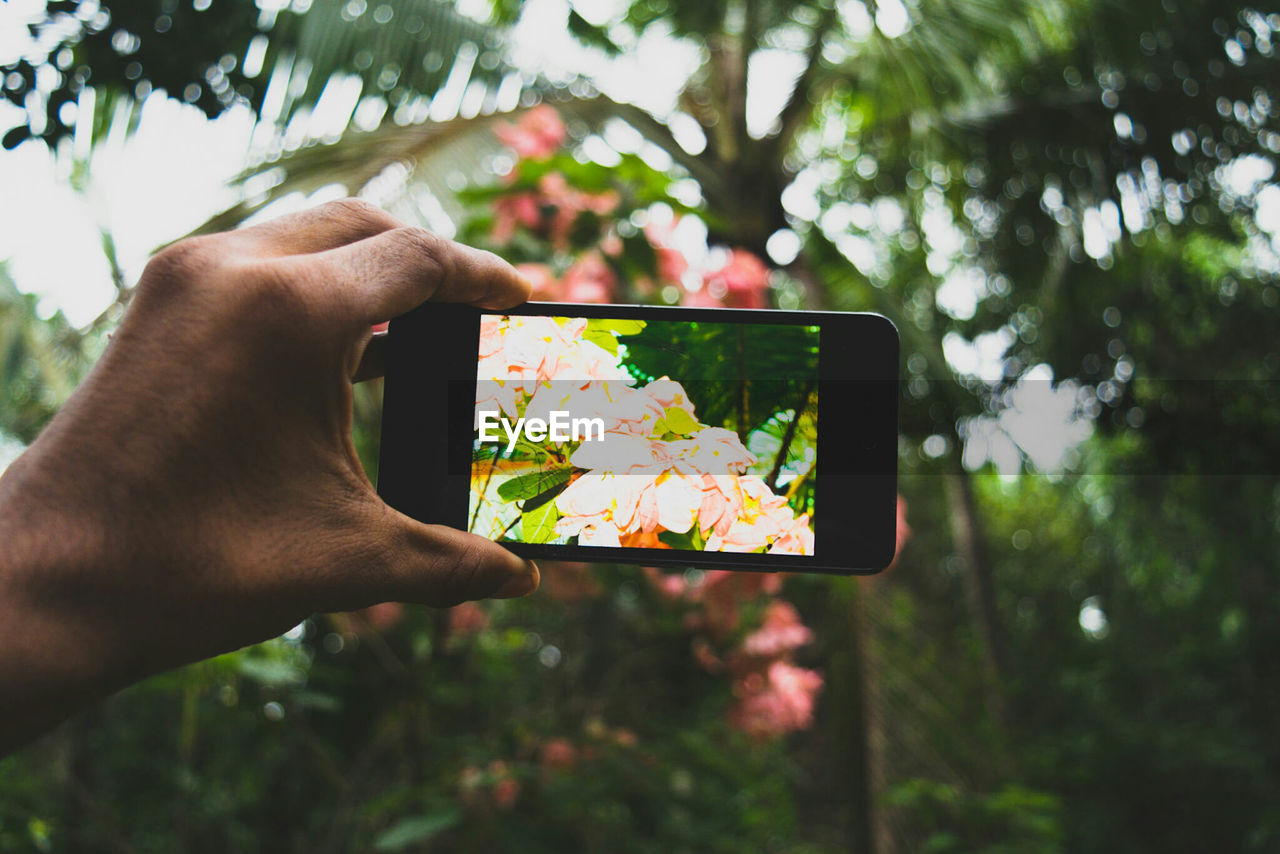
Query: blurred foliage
<point x="41" y="360"/>
<point x="1081" y="660"/>
<point x="200" y="53"/>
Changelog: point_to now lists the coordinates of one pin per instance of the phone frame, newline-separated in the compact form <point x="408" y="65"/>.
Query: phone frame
<point x="425" y="454"/>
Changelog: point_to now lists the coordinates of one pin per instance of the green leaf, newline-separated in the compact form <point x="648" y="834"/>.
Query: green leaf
<point x="602" y="339"/>
<point x="419" y="828"/>
<point x="589" y="34"/>
<point x="618" y="326"/>
<point x="543" y="497"/>
<point x="526" y="448"/>
<point x="680" y="421"/>
<point x="539" y="524"/>
<point x="534" y="483"/>
<point x="679" y="541"/>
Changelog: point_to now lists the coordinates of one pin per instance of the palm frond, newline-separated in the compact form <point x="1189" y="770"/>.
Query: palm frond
<point x="399" y="50"/>
<point x="436" y="157"/>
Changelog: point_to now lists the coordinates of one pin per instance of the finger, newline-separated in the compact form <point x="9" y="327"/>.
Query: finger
<point x="440" y="566"/>
<point x="373" y="362"/>
<point x="317" y="229"/>
<point x="393" y="272"/>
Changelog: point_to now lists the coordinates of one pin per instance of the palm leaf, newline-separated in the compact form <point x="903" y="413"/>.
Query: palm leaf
<point x="435" y="155"/>
<point x="400" y="50"/>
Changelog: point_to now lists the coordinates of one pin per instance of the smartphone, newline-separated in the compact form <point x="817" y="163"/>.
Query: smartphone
<point x="700" y="437"/>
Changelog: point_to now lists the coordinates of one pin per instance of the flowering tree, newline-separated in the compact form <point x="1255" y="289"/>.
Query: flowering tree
<point x="662" y="478"/>
<point x="583" y="232"/>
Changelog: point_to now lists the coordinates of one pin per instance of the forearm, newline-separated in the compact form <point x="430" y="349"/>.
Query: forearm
<point x="42" y="670"/>
<point x="49" y="655"/>
<point x="93" y="595"/>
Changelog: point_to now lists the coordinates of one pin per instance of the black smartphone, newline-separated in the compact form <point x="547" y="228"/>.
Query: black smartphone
<point x="708" y="437"/>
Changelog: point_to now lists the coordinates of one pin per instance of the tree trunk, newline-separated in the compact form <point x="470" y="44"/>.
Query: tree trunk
<point x="967" y="534"/>
<point x="862" y="836"/>
<point x="879" y="836"/>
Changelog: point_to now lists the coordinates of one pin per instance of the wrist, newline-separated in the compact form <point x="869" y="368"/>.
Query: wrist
<point x="55" y="656"/>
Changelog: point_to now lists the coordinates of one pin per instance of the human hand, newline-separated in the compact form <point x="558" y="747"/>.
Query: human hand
<point x="200" y="491"/>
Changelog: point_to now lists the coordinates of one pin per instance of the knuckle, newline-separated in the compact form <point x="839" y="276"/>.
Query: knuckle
<point x="359" y="211"/>
<point x="180" y="263"/>
<point x="261" y="295"/>
<point x="457" y="574"/>
<point x="452" y="570"/>
<point x="421" y="248"/>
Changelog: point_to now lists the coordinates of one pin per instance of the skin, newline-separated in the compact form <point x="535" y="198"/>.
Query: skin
<point x="200" y="492"/>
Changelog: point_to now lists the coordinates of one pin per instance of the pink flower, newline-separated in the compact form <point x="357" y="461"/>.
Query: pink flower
<point x="763" y="518"/>
<point x="904" y="530"/>
<point x="672" y="265"/>
<point x="545" y="285"/>
<point x="745" y="535"/>
<point x="797" y="539"/>
<point x="382" y="616"/>
<point x="678" y="499"/>
<point x="712" y="451"/>
<point x="558" y="754"/>
<point x="569" y="203"/>
<point x="526" y="352"/>
<point x="468" y="618"/>
<point x="669" y="394"/>
<point x="590" y="279"/>
<point x="506" y="792"/>
<point x="511" y="212"/>
<point x="722" y="591"/>
<point x="538" y="133"/>
<point x="550" y="211"/>
<point x="667" y="585"/>
<point x="781" y="633"/>
<point x="624" y="410"/>
<point x="611" y="244"/>
<point x="596" y="530"/>
<point x="776" y="703"/>
<point x="702" y="298"/>
<point x="721" y="504"/>
<point x="622" y="453"/>
<point x="742" y="282"/>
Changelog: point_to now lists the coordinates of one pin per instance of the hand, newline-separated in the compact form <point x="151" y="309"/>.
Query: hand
<point x="200" y="491"/>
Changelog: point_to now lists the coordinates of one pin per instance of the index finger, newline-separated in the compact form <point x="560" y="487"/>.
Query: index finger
<point x="317" y="229"/>
<point x="396" y="271"/>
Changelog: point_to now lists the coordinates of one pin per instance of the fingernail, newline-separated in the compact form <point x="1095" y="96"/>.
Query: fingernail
<point x="517" y="585"/>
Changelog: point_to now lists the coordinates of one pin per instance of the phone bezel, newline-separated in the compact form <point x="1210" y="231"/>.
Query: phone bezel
<point x="858" y="357"/>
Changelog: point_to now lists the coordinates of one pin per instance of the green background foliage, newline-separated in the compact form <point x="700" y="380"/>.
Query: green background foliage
<point x="1078" y="659"/>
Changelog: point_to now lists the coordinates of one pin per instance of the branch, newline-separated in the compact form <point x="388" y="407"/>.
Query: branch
<point x="789" y="436"/>
<point x="746" y="47"/>
<point x="798" y="105"/>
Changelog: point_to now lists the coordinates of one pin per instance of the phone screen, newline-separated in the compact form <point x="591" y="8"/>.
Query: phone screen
<point x="656" y="434"/>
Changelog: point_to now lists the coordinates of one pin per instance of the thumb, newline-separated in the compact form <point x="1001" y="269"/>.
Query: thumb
<point x="441" y="566"/>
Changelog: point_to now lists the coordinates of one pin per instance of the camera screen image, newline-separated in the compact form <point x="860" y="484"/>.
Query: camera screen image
<point x="649" y="434"/>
